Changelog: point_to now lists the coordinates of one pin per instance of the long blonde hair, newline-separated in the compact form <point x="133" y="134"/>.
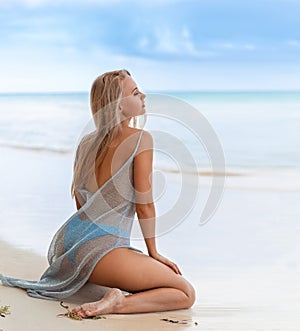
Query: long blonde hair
<point x="105" y="97"/>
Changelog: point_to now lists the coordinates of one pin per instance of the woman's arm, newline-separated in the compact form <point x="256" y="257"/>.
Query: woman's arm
<point x="78" y="206"/>
<point x="145" y="208"/>
<point x="144" y="200"/>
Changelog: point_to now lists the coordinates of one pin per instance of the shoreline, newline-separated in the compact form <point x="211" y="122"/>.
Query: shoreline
<point x="230" y="171"/>
<point x="41" y="191"/>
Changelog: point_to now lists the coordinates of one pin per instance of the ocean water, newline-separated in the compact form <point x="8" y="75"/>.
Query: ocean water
<point x="255" y="129"/>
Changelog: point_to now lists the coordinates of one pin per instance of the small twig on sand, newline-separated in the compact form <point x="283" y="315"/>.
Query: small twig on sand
<point x="4" y="310"/>
<point x="178" y="321"/>
<point x="69" y="313"/>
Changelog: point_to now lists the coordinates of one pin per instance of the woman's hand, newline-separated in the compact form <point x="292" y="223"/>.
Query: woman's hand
<point x="167" y="262"/>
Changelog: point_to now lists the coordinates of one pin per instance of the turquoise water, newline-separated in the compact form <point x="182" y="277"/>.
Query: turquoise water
<point x="256" y="129"/>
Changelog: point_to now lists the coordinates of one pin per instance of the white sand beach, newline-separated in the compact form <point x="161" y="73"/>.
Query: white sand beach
<point x="244" y="263"/>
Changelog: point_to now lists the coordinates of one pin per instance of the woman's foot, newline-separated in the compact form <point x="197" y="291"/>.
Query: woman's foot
<point x="106" y="305"/>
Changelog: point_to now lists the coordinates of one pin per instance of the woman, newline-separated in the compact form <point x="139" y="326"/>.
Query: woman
<point x="112" y="181"/>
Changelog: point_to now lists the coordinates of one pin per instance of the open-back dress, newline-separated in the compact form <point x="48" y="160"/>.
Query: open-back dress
<point x="102" y="224"/>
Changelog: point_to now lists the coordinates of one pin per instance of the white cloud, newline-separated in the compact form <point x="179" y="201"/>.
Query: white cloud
<point x="233" y="46"/>
<point x="54" y="3"/>
<point x="249" y="47"/>
<point x="62" y="70"/>
<point x="180" y="43"/>
<point x="173" y="42"/>
<point x="53" y="36"/>
<point x="294" y="43"/>
<point x="55" y="69"/>
<point x="40" y="3"/>
<point x="144" y="42"/>
<point x="27" y="3"/>
<point x="166" y="42"/>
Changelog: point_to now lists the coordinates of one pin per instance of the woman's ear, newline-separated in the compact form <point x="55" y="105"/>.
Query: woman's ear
<point x="121" y="114"/>
<point x="121" y="106"/>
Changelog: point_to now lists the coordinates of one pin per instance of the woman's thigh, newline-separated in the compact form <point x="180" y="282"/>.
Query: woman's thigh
<point x="132" y="271"/>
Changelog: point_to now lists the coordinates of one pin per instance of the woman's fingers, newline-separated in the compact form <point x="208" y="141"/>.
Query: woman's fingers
<point x="177" y="270"/>
<point x="174" y="267"/>
<point x="167" y="262"/>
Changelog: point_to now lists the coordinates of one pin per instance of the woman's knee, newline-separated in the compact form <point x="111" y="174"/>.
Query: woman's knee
<point x="190" y="295"/>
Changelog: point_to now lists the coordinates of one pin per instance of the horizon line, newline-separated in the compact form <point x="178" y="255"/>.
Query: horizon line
<point x="153" y="91"/>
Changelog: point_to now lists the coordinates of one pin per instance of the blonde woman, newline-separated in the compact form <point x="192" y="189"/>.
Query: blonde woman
<point x="112" y="182"/>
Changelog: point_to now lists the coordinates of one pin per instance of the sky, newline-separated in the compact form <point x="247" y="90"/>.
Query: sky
<point x="48" y="45"/>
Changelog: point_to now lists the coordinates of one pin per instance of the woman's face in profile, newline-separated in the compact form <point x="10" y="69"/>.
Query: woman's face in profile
<point x="133" y="101"/>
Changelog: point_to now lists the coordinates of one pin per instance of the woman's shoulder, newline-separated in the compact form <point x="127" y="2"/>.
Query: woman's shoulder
<point x="139" y="132"/>
<point x="142" y="137"/>
<point x="140" y="140"/>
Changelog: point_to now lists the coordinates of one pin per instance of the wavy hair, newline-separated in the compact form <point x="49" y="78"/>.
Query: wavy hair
<point x="105" y="97"/>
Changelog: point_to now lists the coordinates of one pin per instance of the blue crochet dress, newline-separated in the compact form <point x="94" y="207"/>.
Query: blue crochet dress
<point x="103" y="223"/>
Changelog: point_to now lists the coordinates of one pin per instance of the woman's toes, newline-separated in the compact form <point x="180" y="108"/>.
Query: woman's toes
<point x="79" y="311"/>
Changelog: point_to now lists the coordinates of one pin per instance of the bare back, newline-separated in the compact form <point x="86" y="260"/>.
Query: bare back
<point x="118" y="153"/>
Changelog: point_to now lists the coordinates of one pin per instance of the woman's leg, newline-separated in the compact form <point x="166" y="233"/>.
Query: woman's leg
<point x="155" y="286"/>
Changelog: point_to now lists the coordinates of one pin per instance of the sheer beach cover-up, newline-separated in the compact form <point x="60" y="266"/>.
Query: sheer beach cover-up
<point x="103" y="223"/>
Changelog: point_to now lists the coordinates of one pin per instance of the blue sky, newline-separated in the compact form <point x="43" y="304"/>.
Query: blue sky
<point x="167" y="45"/>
